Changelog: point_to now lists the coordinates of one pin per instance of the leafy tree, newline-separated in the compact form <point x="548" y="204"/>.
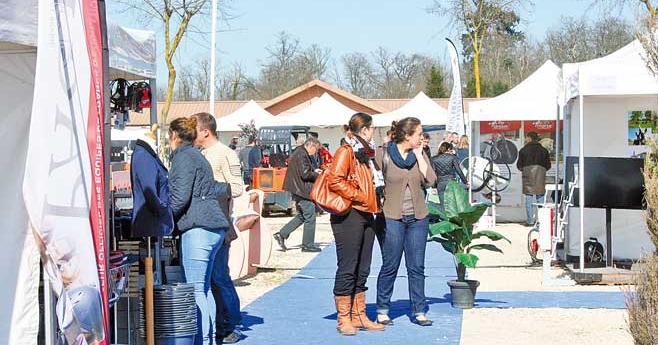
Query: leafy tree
<point x="478" y="18"/>
<point x="435" y="87"/>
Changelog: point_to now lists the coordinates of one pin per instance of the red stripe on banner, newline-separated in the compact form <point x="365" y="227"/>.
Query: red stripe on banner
<point x="499" y="126"/>
<point x="540" y="126"/>
<point x="95" y="140"/>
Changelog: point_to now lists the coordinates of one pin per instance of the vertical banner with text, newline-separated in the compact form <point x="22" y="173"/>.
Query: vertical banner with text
<point x="456" y="104"/>
<point x="64" y="183"/>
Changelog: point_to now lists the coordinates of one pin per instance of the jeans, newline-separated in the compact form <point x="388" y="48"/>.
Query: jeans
<point x="305" y="215"/>
<point x="408" y="235"/>
<point x="228" y="312"/>
<point x="355" y="235"/>
<point x="530" y="208"/>
<point x="198" y="250"/>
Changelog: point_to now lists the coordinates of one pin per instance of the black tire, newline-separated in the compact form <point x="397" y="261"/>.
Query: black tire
<point x="465" y="166"/>
<point x="532" y="235"/>
<point x="497" y="176"/>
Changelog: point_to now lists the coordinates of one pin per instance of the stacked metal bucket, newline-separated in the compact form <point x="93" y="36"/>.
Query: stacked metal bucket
<point x="174" y="314"/>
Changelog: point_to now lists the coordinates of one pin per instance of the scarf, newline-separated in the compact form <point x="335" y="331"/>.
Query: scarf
<point x="396" y="157"/>
<point x="365" y="154"/>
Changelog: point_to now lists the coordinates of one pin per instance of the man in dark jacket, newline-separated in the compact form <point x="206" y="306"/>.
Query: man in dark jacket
<point x="533" y="162"/>
<point x="299" y="181"/>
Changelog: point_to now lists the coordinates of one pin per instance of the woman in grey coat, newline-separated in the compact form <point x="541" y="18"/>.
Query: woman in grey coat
<point x="194" y="201"/>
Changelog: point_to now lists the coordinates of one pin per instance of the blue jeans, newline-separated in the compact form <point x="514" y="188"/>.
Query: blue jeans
<point x="408" y="235"/>
<point x="221" y="278"/>
<point x="530" y="208"/>
<point x="198" y="250"/>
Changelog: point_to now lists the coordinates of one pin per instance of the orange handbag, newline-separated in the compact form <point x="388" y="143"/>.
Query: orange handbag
<point x="327" y="199"/>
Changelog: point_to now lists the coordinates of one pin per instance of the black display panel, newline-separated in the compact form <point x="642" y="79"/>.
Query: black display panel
<point x="609" y="182"/>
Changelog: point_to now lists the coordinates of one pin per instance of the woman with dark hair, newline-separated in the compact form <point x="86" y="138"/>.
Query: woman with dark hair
<point x="351" y="177"/>
<point x="406" y="171"/>
<point x="446" y="166"/>
<point x="194" y="201"/>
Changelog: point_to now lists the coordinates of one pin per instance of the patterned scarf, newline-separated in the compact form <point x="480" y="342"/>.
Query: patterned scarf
<point x="365" y="154"/>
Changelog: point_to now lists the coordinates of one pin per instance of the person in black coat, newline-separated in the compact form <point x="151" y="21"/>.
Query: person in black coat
<point x="446" y="165"/>
<point x="195" y="205"/>
<point x="299" y="180"/>
<point x="152" y="215"/>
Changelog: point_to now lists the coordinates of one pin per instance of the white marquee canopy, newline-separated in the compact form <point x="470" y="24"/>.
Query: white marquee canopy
<point x="326" y="111"/>
<point x="623" y="72"/>
<point x="535" y="98"/>
<point x="422" y="107"/>
<point x="250" y="111"/>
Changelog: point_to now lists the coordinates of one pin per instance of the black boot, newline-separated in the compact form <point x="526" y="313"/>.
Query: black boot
<point x="281" y="241"/>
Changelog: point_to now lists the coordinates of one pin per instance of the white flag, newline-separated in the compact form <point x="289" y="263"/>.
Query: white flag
<point x="455" y="105"/>
<point x="63" y="186"/>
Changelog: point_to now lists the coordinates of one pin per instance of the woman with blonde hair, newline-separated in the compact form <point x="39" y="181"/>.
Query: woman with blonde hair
<point x="462" y="148"/>
<point x="351" y="177"/>
<point x="196" y="209"/>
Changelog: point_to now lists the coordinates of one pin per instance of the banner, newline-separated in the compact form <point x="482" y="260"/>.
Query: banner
<point x="540" y="126"/>
<point x="64" y="177"/>
<point x="499" y="126"/>
<point x="455" y="105"/>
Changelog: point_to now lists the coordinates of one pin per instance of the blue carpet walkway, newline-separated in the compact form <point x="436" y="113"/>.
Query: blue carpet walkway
<point x="302" y="311"/>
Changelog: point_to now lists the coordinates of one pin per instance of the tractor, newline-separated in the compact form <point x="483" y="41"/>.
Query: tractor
<point x="276" y="144"/>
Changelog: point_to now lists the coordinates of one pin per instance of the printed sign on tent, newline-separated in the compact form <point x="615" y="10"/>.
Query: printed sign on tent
<point x="540" y="126"/>
<point x="499" y="126"/>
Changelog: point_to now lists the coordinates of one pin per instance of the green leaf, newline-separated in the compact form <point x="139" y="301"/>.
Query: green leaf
<point x="473" y="214"/>
<point x="492" y="235"/>
<point x="435" y="211"/>
<point x="486" y="246"/>
<point x="442" y="227"/>
<point x="469" y="260"/>
<point x="449" y="247"/>
<point x="455" y="199"/>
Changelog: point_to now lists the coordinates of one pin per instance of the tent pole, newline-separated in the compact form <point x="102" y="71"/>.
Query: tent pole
<point x="581" y="182"/>
<point x="556" y="200"/>
<point x="213" y="48"/>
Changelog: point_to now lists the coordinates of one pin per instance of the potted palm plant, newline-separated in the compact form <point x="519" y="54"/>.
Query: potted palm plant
<point x="454" y="231"/>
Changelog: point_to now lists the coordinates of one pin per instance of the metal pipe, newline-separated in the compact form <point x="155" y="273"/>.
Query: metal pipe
<point x="213" y="48"/>
<point x="581" y="181"/>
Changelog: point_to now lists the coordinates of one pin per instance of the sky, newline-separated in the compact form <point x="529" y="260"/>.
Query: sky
<point x="344" y="26"/>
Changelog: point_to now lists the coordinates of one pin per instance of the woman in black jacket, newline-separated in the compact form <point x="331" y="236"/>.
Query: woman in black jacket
<point x="194" y="201"/>
<point x="446" y="167"/>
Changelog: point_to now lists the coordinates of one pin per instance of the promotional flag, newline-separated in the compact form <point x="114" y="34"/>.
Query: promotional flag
<point x="455" y="105"/>
<point x="64" y="176"/>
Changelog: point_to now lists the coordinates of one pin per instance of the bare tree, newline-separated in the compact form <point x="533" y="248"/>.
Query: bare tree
<point x="477" y="18"/>
<point x="575" y="39"/>
<point x="648" y="5"/>
<point x="357" y="73"/>
<point x="314" y="61"/>
<point x="177" y="18"/>
<point x="290" y="65"/>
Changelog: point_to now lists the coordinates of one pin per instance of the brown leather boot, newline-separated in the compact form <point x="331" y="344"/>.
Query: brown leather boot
<point x="343" y="305"/>
<point x="359" y="318"/>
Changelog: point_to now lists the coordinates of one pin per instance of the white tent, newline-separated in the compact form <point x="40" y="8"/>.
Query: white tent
<point x="18" y="25"/>
<point x="535" y="98"/>
<point x="623" y="72"/>
<point x="326" y="111"/>
<point x="598" y="95"/>
<point x="19" y="321"/>
<point x="422" y="107"/>
<point x="250" y="111"/>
